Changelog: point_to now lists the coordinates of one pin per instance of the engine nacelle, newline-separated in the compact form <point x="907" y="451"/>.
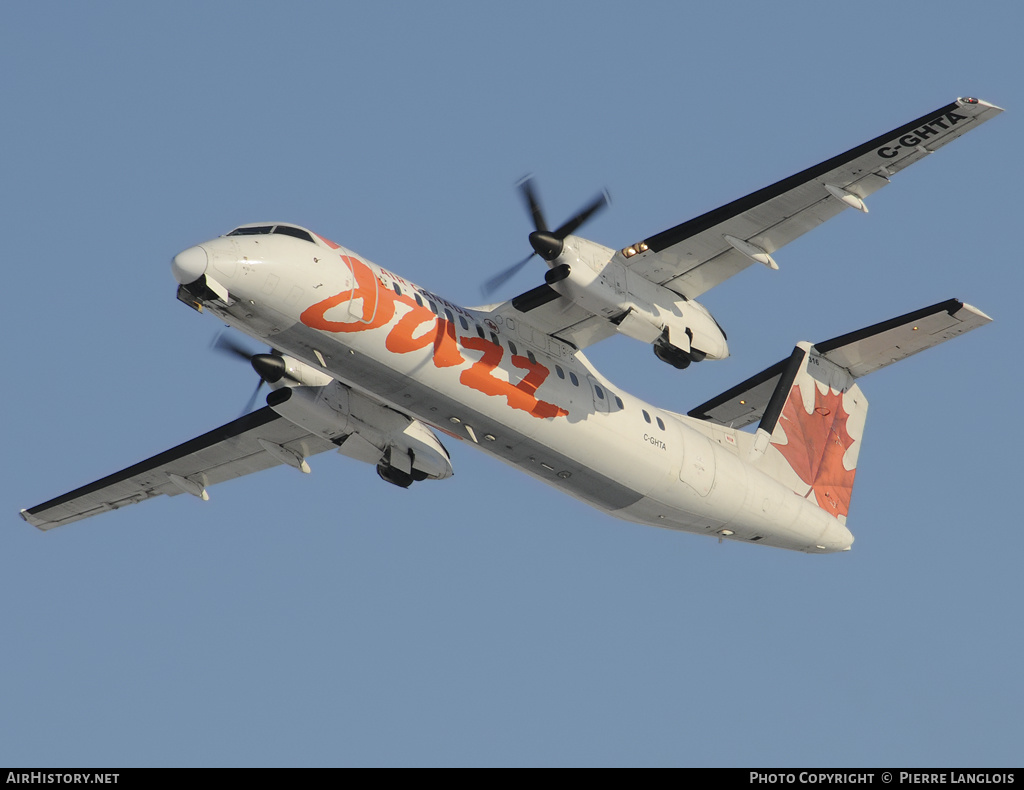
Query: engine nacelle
<point x="281" y="370"/>
<point x="403" y="449"/>
<point x="681" y="330"/>
<point x="690" y="329"/>
<point x="298" y="372"/>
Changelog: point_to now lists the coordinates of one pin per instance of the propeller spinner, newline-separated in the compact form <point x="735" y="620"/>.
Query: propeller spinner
<point x="271" y="368"/>
<point x="547" y="244"/>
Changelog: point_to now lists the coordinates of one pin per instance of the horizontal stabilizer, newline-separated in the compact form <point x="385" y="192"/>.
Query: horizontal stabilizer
<point x="869" y="349"/>
<point x="746" y="402"/>
<point x="860" y="353"/>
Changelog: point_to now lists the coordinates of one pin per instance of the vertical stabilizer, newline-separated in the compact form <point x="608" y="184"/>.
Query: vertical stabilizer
<point x="810" y="410"/>
<point x="811" y="431"/>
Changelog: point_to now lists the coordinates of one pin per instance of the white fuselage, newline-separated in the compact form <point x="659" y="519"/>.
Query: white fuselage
<point x="487" y="377"/>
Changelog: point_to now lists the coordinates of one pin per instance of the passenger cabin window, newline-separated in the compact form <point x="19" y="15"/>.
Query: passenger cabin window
<point x="559" y="371"/>
<point x="647" y="417"/>
<point x="512" y="347"/>
<point x="660" y="423"/>
<point x="433" y="307"/>
<point x="618" y="402"/>
<point x="419" y="300"/>
<point x="599" y="391"/>
<point x="398" y="290"/>
<point x="480" y="331"/>
<point x="449" y="316"/>
<point x="572" y="377"/>
<point x="531" y="357"/>
<point x="464" y="322"/>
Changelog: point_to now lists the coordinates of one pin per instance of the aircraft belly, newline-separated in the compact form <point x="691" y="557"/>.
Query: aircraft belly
<point x="575" y="473"/>
<point x="567" y="474"/>
<point x="423" y="392"/>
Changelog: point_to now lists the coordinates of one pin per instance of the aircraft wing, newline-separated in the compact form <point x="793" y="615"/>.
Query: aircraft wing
<point x="697" y="255"/>
<point x="554" y="315"/>
<point x="251" y="443"/>
<point x="860" y="352"/>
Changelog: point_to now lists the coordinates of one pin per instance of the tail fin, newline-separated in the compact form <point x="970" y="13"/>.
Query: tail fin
<point x="811" y="410"/>
<point x="812" y="430"/>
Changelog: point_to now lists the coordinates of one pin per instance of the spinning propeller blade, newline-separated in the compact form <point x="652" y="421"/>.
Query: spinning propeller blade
<point x="546" y="243"/>
<point x="271" y="368"/>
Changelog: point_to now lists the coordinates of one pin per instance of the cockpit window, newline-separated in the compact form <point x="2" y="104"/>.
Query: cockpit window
<point x="262" y="230"/>
<point x="298" y="233"/>
<point x="253" y="230"/>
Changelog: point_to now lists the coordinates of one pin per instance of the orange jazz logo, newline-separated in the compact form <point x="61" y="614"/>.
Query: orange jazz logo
<point x="419" y="328"/>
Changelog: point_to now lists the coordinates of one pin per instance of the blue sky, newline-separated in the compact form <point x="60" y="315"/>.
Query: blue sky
<point x="332" y="619"/>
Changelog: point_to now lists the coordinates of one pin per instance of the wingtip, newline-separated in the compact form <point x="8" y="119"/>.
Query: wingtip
<point x="980" y="317"/>
<point x="970" y="100"/>
<point x="35" y="522"/>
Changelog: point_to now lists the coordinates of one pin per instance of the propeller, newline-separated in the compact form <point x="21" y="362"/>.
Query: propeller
<point x="547" y="244"/>
<point x="271" y="368"/>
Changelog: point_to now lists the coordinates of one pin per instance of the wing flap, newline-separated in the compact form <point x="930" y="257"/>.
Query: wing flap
<point x="225" y="453"/>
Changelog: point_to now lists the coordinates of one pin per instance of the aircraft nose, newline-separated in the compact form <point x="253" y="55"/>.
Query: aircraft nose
<point x="189" y="265"/>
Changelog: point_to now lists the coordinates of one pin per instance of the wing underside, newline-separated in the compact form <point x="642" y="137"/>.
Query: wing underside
<point x="703" y="252"/>
<point x="697" y="255"/>
<point x="252" y="443"/>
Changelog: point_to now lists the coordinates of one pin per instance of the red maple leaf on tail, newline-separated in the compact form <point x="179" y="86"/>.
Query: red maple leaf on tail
<point x="816" y="445"/>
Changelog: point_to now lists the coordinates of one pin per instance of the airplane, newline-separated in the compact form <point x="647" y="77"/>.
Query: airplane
<point x="369" y="365"/>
